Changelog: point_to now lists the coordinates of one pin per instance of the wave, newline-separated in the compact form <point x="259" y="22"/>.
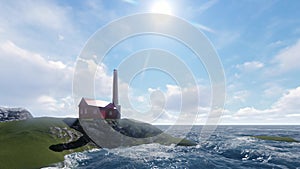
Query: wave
<point x="223" y="150"/>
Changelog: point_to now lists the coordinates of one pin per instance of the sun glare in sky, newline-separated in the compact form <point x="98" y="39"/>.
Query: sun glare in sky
<point x="161" y="7"/>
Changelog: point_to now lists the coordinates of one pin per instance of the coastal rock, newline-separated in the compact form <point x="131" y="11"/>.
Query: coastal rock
<point x="277" y="138"/>
<point x="14" y="114"/>
<point x="112" y="133"/>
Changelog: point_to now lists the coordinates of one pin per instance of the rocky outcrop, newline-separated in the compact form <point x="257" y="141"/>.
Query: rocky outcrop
<point x="140" y="132"/>
<point x="277" y="138"/>
<point x="65" y="133"/>
<point x="13" y="114"/>
<point x="76" y="141"/>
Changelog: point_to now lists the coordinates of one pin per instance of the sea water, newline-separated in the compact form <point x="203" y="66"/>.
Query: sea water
<point x="228" y="147"/>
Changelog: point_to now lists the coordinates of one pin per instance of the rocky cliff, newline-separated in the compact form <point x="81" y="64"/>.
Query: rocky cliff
<point x="14" y="114"/>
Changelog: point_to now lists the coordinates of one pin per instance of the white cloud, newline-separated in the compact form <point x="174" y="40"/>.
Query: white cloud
<point x="273" y="90"/>
<point x="9" y="48"/>
<point x="47" y="102"/>
<point x="170" y="106"/>
<point x="49" y="28"/>
<point x="293" y="115"/>
<point x="166" y="118"/>
<point x="93" y="80"/>
<point x="27" y="77"/>
<point x="250" y="66"/>
<point x="195" y="97"/>
<point x="289" y="102"/>
<point x="288" y="58"/>
<point x="284" y="111"/>
<point x="103" y="79"/>
<point x="240" y="96"/>
<point x="251" y="111"/>
<point x="60" y="107"/>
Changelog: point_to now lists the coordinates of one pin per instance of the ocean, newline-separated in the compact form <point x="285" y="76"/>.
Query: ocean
<point x="228" y="147"/>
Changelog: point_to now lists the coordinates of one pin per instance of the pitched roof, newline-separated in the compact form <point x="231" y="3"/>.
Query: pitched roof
<point x="97" y="103"/>
<point x="110" y="106"/>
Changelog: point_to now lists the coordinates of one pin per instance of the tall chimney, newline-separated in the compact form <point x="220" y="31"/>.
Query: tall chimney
<point x="115" y="99"/>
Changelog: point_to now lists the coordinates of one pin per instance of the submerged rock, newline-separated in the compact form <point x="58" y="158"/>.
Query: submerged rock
<point x="14" y="114"/>
<point x="276" y="138"/>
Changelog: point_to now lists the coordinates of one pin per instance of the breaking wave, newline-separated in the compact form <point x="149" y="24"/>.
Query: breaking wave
<point x="229" y="147"/>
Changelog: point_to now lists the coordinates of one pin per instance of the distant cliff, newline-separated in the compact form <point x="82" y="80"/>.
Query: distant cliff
<point x="14" y="114"/>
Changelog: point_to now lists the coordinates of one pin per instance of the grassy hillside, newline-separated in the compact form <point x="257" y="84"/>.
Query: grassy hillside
<point x="25" y="144"/>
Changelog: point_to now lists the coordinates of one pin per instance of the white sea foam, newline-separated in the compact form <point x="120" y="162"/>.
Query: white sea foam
<point x="223" y="151"/>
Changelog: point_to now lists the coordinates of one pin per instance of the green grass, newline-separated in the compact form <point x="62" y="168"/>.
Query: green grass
<point x="25" y="144"/>
<point x="276" y="138"/>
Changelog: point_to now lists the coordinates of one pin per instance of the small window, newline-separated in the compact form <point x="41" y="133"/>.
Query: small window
<point x="110" y="113"/>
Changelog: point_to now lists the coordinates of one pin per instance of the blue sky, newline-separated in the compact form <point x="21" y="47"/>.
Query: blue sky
<point x="258" y="43"/>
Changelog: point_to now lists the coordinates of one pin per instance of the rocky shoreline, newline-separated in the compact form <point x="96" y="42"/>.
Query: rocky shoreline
<point x="126" y="127"/>
<point x="83" y="140"/>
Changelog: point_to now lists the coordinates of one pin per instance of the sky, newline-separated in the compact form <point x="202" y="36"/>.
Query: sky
<point x="257" y="42"/>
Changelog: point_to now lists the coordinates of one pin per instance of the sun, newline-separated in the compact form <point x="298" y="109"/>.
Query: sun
<point x="161" y="7"/>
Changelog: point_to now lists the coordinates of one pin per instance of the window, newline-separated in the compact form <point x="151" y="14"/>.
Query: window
<point x="110" y="113"/>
